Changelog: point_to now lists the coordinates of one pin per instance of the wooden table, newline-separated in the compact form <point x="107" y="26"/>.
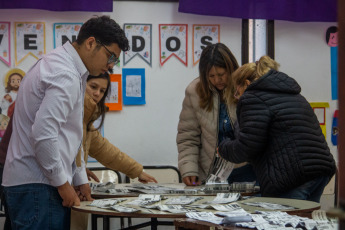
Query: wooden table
<point x="300" y="205"/>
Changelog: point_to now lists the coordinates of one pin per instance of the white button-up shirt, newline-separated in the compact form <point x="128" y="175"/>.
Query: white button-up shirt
<point x="48" y="122"/>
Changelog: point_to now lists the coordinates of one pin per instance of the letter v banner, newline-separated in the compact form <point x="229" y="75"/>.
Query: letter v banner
<point x="29" y="39"/>
<point x="5" y="44"/>
<point x="140" y="40"/>
<point x="173" y="40"/>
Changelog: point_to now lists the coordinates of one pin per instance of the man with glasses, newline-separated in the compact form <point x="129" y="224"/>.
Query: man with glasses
<point x="47" y="128"/>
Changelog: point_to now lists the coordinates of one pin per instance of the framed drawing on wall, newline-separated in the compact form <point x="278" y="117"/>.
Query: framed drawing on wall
<point x="114" y="98"/>
<point x="133" y="86"/>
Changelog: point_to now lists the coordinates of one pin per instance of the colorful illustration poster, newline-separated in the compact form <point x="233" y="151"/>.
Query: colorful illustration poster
<point x="11" y="80"/>
<point x="64" y="32"/>
<point x="335" y="128"/>
<point x="5" y="42"/>
<point x="140" y="40"/>
<point x="204" y="35"/>
<point x="320" y="112"/>
<point x="29" y="39"/>
<point x="114" y="97"/>
<point x="173" y="40"/>
<point x="332" y="41"/>
<point x="133" y="86"/>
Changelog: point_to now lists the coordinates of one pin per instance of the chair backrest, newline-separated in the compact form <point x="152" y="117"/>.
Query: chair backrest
<point x="162" y="173"/>
<point x="330" y="187"/>
<point x="107" y="175"/>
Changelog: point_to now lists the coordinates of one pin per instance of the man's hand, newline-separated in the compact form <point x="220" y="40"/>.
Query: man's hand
<point x="84" y="192"/>
<point x="145" y="178"/>
<point x="191" y="180"/>
<point x="91" y="175"/>
<point x="68" y="195"/>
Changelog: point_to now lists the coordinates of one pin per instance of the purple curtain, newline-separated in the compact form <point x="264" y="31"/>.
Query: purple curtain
<point x="59" y="5"/>
<point x="290" y="10"/>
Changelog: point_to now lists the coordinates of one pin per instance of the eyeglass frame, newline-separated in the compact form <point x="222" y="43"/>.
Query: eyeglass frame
<point x="112" y="58"/>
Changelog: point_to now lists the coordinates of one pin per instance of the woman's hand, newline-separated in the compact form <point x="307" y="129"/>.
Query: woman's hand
<point x="191" y="180"/>
<point x="91" y="175"/>
<point x="145" y="178"/>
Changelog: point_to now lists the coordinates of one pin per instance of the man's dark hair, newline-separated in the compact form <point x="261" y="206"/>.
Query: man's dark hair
<point x="105" y="30"/>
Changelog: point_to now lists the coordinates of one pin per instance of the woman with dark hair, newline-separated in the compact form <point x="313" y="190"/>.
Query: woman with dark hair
<point x="206" y="117"/>
<point x="94" y="144"/>
<point x="98" y="147"/>
<point x="279" y="134"/>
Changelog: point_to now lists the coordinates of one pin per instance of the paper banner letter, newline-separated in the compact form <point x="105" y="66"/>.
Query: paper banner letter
<point x="204" y="35"/>
<point x="64" y="32"/>
<point x="140" y="38"/>
<point x="29" y="40"/>
<point x="138" y="43"/>
<point x="5" y="42"/>
<point x="173" y="42"/>
<point x="320" y="112"/>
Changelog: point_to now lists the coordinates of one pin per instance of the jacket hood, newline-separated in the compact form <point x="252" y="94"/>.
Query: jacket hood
<point x="275" y="81"/>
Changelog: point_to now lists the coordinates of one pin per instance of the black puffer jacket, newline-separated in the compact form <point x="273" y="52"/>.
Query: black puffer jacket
<point x="279" y="134"/>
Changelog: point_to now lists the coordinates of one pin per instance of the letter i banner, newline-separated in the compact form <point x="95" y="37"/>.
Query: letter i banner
<point x="204" y="35"/>
<point x="64" y="32"/>
<point x="173" y="40"/>
<point x="5" y="44"/>
<point x="29" y="38"/>
<point x="140" y="40"/>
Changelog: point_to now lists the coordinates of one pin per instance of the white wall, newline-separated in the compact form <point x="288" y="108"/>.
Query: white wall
<point x="148" y="132"/>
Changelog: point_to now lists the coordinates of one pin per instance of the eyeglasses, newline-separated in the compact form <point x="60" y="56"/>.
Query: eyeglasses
<point x="112" y="59"/>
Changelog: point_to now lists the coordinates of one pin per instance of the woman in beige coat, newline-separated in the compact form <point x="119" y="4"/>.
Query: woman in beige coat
<point x="206" y="118"/>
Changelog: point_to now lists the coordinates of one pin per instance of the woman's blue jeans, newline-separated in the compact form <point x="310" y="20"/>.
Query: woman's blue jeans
<point x="311" y="190"/>
<point x="36" y="206"/>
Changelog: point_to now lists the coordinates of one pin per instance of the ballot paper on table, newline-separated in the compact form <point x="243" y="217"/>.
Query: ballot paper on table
<point x="145" y="199"/>
<point x="106" y="203"/>
<point x="116" y="191"/>
<point x="224" y="198"/>
<point x="102" y="187"/>
<point x="160" y="189"/>
<point x="220" y="171"/>
<point x="218" y="207"/>
<point x="183" y="200"/>
<point x="271" y="206"/>
<point x="170" y="208"/>
<point x="121" y="208"/>
<point x="281" y="220"/>
<point x="205" y="216"/>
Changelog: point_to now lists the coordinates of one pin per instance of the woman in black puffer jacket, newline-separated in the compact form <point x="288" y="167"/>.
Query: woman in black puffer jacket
<point x="279" y="134"/>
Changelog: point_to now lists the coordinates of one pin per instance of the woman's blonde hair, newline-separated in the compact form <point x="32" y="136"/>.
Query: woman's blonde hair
<point x="251" y="71"/>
